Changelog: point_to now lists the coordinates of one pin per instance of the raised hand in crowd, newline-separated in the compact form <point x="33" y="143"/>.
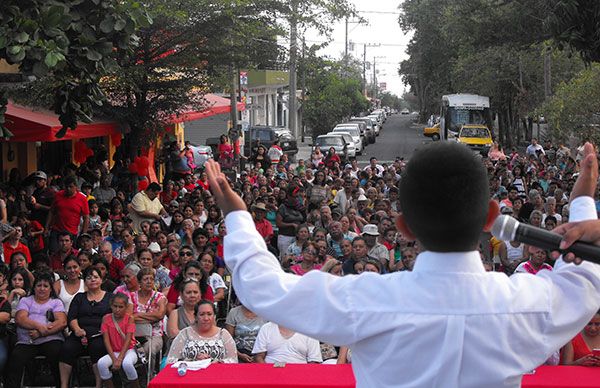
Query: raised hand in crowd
<point x="226" y="198"/>
<point x="585" y="185"/>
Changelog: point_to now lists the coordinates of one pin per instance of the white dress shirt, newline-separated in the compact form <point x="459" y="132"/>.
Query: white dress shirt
<point x="448" y="324"/>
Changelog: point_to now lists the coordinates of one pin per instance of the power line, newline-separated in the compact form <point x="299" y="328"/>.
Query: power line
<point x="382" y="12"/>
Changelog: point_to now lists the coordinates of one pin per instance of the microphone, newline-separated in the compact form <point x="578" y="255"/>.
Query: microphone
<point x="506" y="228"/>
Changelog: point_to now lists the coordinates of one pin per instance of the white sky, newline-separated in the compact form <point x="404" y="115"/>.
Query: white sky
<point x="383" y="28"/>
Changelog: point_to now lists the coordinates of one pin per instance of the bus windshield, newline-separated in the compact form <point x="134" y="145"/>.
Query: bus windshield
<point x="460" y="116"/>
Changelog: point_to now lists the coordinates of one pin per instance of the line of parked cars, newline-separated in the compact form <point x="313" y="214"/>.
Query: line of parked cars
<point x="350" y="138"/>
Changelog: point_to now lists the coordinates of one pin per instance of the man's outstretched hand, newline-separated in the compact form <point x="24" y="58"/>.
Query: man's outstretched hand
<point x="226" y="198"/>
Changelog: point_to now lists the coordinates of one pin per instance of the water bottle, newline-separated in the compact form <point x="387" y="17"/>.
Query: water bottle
<point x="182" y="369"/>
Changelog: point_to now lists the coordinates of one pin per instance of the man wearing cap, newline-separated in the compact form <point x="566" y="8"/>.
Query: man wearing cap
<point x="377" y="251"/>
<point x="41" y="199"/>
<point x="145" y="205"/>
<point x="68" y="212"/>
<point x="85" y="243"/>
<point x="161" y="272"/>
<point x="263" y="226"/>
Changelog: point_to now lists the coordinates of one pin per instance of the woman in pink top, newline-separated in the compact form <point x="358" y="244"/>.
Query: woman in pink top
<point x="117" y="331"/>
<point x="309" y="257"/>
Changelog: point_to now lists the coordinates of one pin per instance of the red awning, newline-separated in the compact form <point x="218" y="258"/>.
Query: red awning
<point x="216" y="105"/>
<point x="29" y="125"/>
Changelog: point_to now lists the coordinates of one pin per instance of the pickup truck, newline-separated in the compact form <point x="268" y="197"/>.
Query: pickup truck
<point x="266" y="136"/>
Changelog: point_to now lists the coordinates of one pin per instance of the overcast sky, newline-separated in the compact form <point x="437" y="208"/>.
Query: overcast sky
<point x="383" y="28"/>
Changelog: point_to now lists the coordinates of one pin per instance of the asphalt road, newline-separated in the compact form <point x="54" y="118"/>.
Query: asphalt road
<point x="400" y="137"/>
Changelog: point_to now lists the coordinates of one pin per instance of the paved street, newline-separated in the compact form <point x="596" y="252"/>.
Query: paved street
<point x="400" y="137"/>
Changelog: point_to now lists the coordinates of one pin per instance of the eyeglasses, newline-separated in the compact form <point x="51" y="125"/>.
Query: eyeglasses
<point x="310" y="252"/>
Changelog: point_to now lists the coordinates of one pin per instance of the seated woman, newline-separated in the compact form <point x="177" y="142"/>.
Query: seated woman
<point x="149" y="306"/>
<point x="5" y="310"/>
<point x="67" y="289"/>
<point x="183" y="316"/>
<point x="580" y="350"/>
<point x="102" y="265"/>
<point x="217" y="285"/>
<point x="309" y="258"/>
<point x="191" y="270"/>
<point x="204" y="339"/>
<point x="243" y="325"/>
<point x="40" y="321"/>
<point x="85" y="318"/>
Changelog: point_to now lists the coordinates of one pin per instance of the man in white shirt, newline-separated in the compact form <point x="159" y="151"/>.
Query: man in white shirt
<point x="534" y="147"/>
<point x="449" y="323"/>
<point x="275" y="343"/>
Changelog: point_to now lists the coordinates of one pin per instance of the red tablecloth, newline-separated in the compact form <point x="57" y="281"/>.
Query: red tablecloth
<point x="339" y="376"/>
<point x="259" y="375"/>
<point x="563" y="377"/>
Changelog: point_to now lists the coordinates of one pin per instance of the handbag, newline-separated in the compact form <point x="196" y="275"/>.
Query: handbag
<point x="137" y="346"/>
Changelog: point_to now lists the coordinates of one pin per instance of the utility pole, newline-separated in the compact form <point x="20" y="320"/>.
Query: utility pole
<point x="365" y="69"/>
<point x="303" y="86"/>
<point x="346" y="43"/>
<point x="292" y="103"/>
<point x="233" y="96"/>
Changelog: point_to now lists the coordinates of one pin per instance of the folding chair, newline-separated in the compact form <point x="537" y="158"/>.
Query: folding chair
<point x="145" y="330"/>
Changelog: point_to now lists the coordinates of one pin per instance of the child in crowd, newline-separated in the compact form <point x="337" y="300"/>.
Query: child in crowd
<point x="117" y="331"/>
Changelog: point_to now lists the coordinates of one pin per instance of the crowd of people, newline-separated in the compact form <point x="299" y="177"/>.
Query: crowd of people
<point x="90" y="261"/>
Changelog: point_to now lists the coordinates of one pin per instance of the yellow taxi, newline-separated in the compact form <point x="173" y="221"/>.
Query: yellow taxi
<point x="432" y="132"/>
<point x="476" y="136"/>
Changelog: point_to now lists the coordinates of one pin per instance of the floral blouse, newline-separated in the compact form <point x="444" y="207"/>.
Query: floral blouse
<point x="188" y="345"/>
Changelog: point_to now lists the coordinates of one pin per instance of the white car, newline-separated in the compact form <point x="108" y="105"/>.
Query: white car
<point x="376" y="119"/>
<point x="353" y="131"/>
<point x="348" y="140"/>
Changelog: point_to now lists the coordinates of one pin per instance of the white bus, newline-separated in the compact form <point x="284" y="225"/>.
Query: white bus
<point x="460" y="109"/>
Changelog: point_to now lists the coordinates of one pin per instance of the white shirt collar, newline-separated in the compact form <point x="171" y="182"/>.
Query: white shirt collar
<point x="449" y="262"/>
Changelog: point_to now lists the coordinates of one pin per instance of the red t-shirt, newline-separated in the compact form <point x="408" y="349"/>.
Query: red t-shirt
<point x="8" y="251"/>
<point x="68" y="211"/>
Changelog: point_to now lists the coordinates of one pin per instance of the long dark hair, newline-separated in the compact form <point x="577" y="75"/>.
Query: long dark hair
<point x="26" y="280"/>
<point x="181" y="276"/>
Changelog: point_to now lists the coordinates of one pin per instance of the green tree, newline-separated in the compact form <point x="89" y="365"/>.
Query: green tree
<point x="574" y="24"/>
<point x="574" y="110"/>
<point x="333" y="94"/>
<point x="70" y="45"/>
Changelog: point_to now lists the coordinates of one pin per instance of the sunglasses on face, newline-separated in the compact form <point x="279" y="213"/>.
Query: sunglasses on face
<point x="185" y="253"/>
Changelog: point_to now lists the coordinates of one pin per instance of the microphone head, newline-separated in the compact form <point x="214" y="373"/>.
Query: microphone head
<point x="505" y="228"/>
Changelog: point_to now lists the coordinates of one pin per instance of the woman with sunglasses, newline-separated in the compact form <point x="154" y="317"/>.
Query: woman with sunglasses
<point x="192" y="270"/>
<point x="309" y="258"/>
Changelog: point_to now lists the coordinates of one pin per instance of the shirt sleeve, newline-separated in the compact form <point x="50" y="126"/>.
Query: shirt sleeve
<point x="104" y="326"/>
<point x="280" y="297"/>
<point x="314" y="351"/>
<point x="58" y="306"/>
<point x="260" y="344"/>
<point x="230" y="348"/>
<point x="137" y="203"/>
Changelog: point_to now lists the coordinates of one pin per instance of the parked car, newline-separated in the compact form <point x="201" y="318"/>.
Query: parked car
<point x="369" y="128"/>
<point x="355" y="133"/>
<point x="379" y="122"/>
<point x="405" y="111"/>
<point x="264" y="135"/>
<point x="432" y="132"/>
<point x="201" y="154"/>
<point x="349" y="142"/>
<point x="336" y="141"/>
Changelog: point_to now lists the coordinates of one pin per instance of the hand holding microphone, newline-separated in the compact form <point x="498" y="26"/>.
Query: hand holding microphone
<point x="577" y="241"/>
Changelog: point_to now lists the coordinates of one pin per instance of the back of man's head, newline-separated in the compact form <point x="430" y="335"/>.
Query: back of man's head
<point x="444" y="196"/>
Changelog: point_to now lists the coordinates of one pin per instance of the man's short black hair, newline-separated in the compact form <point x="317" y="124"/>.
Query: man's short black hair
<point x="154" y="187"/>
<point x="444" y="196"/>
<point x="69" y="180"/>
